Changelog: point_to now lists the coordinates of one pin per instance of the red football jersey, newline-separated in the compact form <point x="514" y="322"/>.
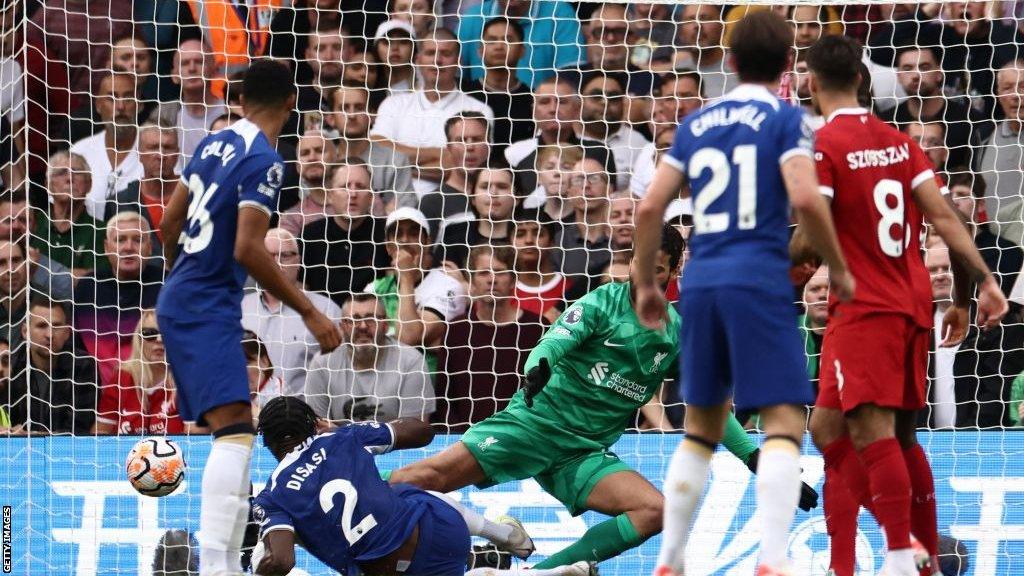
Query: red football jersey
<point x="121" y="405"/>
<point x="870" y="170"/>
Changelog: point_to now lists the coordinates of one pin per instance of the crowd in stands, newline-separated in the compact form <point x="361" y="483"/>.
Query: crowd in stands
<point x="458" y="173"/>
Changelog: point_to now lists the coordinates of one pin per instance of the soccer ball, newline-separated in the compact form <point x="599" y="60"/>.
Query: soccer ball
<point x="155" y="466"/>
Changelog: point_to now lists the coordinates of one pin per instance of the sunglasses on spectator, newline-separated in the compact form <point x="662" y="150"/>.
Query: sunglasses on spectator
<point x="150" y="334"/>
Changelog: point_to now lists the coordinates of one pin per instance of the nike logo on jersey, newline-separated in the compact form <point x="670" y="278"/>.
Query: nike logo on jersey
<point x="611" y="344"/>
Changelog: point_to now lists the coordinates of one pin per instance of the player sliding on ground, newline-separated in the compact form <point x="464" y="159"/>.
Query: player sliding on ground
<point x="743" y="156"/>
<point x="327" y="494"/>
<point x="875" y="355"/>
<point x="585" y="381"/>
<point x="213" y="232"/>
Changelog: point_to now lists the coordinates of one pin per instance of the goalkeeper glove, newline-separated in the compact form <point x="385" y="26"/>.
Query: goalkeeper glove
<point x="808" y="495"/>
<point x="536" y="379"/>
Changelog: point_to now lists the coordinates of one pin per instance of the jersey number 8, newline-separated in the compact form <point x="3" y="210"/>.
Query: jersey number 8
<point x="745" y="159"/>
<point x="198" y="217"/>
<point x="892" y="242"/>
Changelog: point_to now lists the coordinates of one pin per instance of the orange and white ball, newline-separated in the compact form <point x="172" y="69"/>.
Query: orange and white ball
<point x="155" y="466"/>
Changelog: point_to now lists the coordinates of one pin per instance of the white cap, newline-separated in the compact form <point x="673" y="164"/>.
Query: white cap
<point x="408" y="213"/>
<point x="677" y="208"/>
<point x="391" y="25"/>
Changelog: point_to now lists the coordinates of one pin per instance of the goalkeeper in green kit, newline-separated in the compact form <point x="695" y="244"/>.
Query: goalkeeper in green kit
<point x="585" y="381"/>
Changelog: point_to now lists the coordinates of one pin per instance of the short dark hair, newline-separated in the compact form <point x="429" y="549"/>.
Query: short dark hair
<point x="254" y="349"/>
<point x="229" y="116"/>
<point x="512" y="23"/>
<point x="285" y="422"/>
<point x="466" y="116"/>
<point x="865" y="92"/>
<point x="504" y="254"/>
<point x="497" y="162"/>
<point x="760" y="44"/>
<point x="962" y="176"/>
<point x="935" y="51"/>
<point x="677" y="75"/>
<point x="361" y="297"/>
<point x="533" y="216"/>
<point x="834" y="62"/>
<point x="267" y="83"/>
<point x="672" y="243"/>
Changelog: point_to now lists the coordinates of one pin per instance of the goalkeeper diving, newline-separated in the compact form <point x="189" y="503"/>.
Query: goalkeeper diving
<point x="585" y="380"/>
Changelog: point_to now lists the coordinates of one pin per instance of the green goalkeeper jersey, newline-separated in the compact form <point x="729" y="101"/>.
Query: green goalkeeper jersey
<point x="604" y="364"/>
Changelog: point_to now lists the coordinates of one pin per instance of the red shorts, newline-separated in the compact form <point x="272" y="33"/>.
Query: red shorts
<point x="879" y="359"/>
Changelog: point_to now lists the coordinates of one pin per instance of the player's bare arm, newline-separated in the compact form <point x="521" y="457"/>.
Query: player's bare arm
<point x="172" y="223"/>
<point x="650" y="300"/>
<point x="411" y="433"/>
<point x="814" y="217"/>
<point x="992" y="305"/>
<point x="279" y="553"/>
<point x="251" y="253"/>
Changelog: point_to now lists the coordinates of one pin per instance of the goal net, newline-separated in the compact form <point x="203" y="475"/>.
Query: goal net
<point x="456" y="175"/>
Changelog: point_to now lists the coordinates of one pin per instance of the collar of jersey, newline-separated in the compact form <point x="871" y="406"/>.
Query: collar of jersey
<point x="747" y="92"/>
<point x="844" y="111"/>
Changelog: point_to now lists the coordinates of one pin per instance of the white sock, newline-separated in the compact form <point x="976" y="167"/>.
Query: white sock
<point x="778" y="493"/>
<point x="684" y="485"/>
<point x="224" y="508"/>
<point x="477" y="524"/>
<point x="901" y="562"/>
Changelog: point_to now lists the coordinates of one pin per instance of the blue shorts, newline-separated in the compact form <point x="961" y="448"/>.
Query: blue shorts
<point x="205" y="355"/>
<point x="444" y="543"/>
<point x="742" y="342"/>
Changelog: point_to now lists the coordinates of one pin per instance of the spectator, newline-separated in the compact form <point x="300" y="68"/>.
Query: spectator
<point x="326" y="49"/>
<point x="678" y="94"/>
<point x="52" y="388"/>
<point x="224" y="120"/>
<point x="342" y="253"/>
<point x="15" y="291"/>
<point x="604" y="121"/>
<point x="652" y="34"/>
<point x="289" y="343"/>
<point x="810" y="22"/>
<point x="552" y="36"/>
<point x="467" y="149"/>
<point x="1004" y="258"/>
<point x="584" y="241"/>
<point x="315" y="154"/>
<point x="12" y="97"/>
<point x="701" y="34"/>
<point x="647" y="161"/>
<point x="814" y="320"/>
<point x="413" y="122"/>
<point x="107" y="304"/>
<point x="15" y="221"/>
<point x="158" y="154"/>
<point x="977" y="47"/>
<point x="141" y="399"/>
<point x="193" y="72"/>
<point x="67" y="234"/>
<point x="620" y="222"/>
<point x="904" y="24"/>
<point x="801" y="84"/>
<point x="112" y="153"/>
<point x="395" y="45"/>
<point x="419" y="298"/>
<point x="263" y="384"/>
<point x="1001" y="157"/>
<point x="941" y="393"/>
<point x="931" y="137"/>
<point x="131" y="54"/>
<point x="493" y="202"/>
<point x="554" y="170"/>
<point x="921" y="77"/>
<point x="483" y="353"/>
<point x="371" y="376"/>
<point x="390" y="172"/>
<point x="364" y="70"/>
<point x="500" y="89"/>
<point x="556" y="115"/>
<point x="540" y="287"/>
<point x="418" y="13"/>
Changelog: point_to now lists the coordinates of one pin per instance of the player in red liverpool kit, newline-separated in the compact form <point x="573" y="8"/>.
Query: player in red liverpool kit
<point x="874" y="359"/>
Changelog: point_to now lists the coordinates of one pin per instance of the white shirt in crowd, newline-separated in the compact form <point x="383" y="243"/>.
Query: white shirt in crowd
<point x="410" y="119"/>
<point x="12" y="91"/>
<point x="289" y="343"/>
<point x="106" y="181"/>
<point x="643" y="170"/>
<point x="944" y="398"/>
<point x="192" y="130"/>
<point x="439" y="293"/>
<point x="627" y="146"/>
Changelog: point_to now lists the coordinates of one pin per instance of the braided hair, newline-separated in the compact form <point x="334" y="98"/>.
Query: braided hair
<point x="285" y="422"/>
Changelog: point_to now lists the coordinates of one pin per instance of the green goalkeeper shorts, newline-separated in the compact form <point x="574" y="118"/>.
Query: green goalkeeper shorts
<point x="515" y="444"/>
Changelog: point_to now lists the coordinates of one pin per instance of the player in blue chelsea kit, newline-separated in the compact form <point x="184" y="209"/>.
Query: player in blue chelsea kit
<point x="327" y="494"/>
<point x="213" y="230"/>
<point x="748" y="158"/>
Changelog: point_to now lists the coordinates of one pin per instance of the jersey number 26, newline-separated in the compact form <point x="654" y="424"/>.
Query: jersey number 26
<point x="745" y="159"/>
<point x="198" y="217"/>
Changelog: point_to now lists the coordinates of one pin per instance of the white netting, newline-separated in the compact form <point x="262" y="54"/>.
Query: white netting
<point x="565" y="108"/>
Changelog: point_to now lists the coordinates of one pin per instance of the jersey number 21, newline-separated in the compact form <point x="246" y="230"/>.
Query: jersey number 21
<point x="745" y="160"/>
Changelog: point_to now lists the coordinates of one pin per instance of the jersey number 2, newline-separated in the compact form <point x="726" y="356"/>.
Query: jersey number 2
<point x="745" y="159"/>
<point x="345" y="488"/>
<point x="198" y="217"/>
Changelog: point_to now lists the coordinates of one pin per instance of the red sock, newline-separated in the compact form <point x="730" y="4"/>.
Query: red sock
<point x="848" y="464"/>
<point x="922" y="504"/>
<point x="841" y="508"/>
<point x="890" y="490"/>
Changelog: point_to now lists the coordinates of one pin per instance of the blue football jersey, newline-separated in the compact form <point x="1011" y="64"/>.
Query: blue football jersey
<point x="329" y="492"/>
<point x="233" y="167"/>
<point x="731" y="154"/>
